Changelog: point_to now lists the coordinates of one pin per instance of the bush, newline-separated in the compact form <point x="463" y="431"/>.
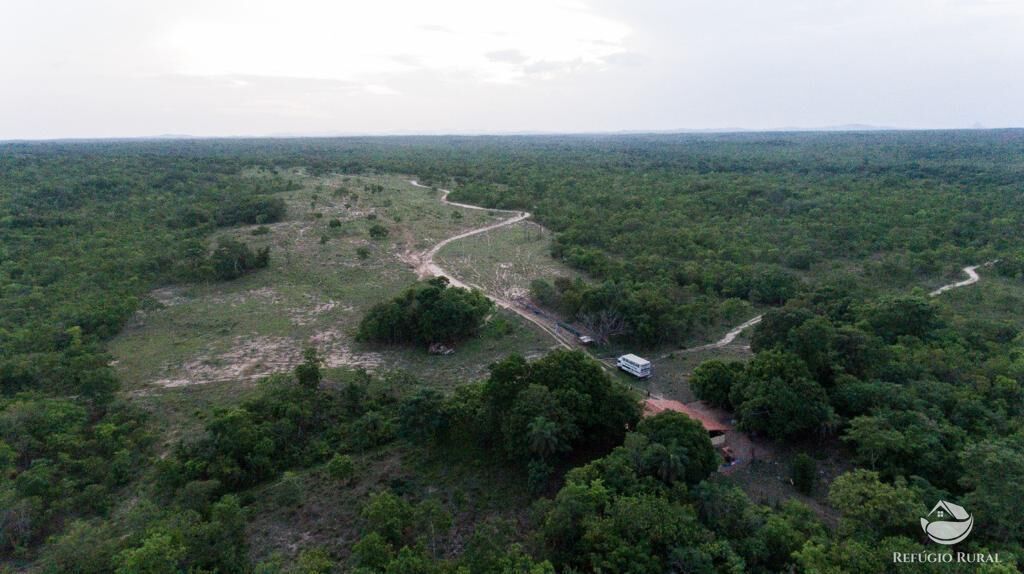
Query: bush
<point x="378" y="231"/>
<point x="779" y="398"/>
<point x="773" y="286"/>
<point x="288" y="490"/>
<point x="544" y="293"/>
<point x="539" y="411"/>
<point x="894" y="317"/>
<point x="341" y="467"/>
<point x="538" y="473"/>
<point x="313" y="561"/>
<point x="371" y="430"/>
<point x="308" y="372"/>
<point x="678" y="448"/>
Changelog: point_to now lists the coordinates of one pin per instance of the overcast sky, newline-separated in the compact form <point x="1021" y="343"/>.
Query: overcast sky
<point x="115" y="68"/>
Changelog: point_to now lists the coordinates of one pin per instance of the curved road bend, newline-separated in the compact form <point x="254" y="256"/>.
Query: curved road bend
<point x="427" y="267"/>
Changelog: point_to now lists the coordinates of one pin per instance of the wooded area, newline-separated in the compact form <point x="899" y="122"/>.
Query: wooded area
<point x="830" y="234"/>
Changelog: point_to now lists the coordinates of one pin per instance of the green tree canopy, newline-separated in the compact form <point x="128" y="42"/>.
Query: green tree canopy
<point x="779" y="398"/>
<point x="426" y="313"/>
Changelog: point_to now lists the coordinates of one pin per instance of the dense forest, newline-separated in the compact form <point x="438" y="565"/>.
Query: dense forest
<point x="829" y="234"/>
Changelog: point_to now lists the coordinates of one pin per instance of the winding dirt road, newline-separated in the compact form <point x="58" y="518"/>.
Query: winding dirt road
<point x="725" y="340"/>
<point x="426" y="266"/>
<point x="972" y="278"/>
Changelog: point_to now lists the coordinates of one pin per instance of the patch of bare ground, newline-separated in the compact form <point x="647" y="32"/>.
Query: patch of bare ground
<point x="261" y="295"/>
<point x="252" y="358"/>
<point x="169" y="296"/>
<point x="314" y="308"/>
<point x="337" y="354"/>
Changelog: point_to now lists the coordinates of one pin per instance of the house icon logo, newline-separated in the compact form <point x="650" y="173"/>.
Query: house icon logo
<point x="947" y="523"/>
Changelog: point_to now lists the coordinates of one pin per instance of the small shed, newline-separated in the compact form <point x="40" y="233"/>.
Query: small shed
<point x="716" y="430"/>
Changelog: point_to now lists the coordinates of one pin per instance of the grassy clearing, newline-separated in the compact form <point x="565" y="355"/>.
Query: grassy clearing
<point x="201" y="345"/>
<point x="505" y="260"/>
<point x="672" y="374"/>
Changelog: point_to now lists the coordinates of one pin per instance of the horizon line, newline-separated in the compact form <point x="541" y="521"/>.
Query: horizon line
<point x="849" y="128"/>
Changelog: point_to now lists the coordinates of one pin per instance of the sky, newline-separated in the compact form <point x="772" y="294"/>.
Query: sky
<point x="141" y="68"/>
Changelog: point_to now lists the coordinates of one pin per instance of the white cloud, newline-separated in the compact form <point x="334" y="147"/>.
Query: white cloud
<point x="235" y="67"/>
<point x="361" y="40"/>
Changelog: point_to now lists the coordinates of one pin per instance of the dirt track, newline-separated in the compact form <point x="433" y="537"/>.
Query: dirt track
<point x="972" y="278"/>
<point x="426" y="266"/>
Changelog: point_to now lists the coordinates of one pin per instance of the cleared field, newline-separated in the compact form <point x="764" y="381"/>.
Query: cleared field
<point x="193" y="346"/>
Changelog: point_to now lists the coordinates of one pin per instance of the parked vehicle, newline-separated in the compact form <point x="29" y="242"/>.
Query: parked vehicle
<point x="634" y="365"/>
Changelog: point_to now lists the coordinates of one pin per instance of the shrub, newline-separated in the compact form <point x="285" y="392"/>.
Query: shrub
<point x="313" y="561"/>
<point x="288" y="490"/>
<point x="341" y="467"/>
<point x="678" y="448"/>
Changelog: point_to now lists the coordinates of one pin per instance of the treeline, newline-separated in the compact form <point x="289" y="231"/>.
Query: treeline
<point x="426" y="313"/>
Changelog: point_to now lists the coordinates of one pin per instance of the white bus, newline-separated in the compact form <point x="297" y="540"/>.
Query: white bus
<point x="636" y="366"/>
